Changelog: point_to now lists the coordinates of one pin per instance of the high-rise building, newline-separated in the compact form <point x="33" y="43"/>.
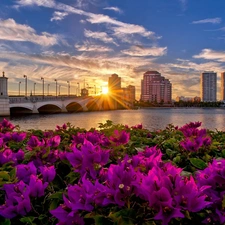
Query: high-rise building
<point x="114" y="82"/>
<point x="131" y="93"/>
<point x="120" y="97"/>
<point x="208" y="86"/>
<point x="155" y="88"/>
<point x="222" y="86"/>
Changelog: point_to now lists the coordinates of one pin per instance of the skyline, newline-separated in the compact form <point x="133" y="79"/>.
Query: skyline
<point x="76" y="40"/>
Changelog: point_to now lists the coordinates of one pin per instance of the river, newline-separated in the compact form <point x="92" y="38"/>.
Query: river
<point x="150" y="118"/>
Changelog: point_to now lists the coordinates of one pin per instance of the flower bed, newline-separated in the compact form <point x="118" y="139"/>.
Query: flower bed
<point x="112" y="175"/>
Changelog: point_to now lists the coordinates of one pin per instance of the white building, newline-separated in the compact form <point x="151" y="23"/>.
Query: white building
<point x="208" y="86"/>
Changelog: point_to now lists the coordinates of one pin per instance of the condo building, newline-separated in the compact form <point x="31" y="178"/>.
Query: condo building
<point x="114" y="82"/>
<point x="208" y="86"/>
<point x="155" y="88"/>
<point x="122" y="97"/>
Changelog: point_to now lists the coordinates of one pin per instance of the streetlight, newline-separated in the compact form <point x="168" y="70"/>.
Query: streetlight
<point x="25" y="76"/>
<point x="78" y="89"/>
<point x="59" y="89"/>
<point x="68" y="88"/>
<point x="43" y="87"/>
<point x="56" y="87"/>
<point x="19" y="87"/>
<point x="34" y="88"/>
<point x="48" y="88"/>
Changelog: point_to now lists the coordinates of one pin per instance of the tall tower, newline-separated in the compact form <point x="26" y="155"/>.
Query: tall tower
<point x="155" y="88"/>
<point x="222" y="91"/>
<point x="114" y="82"/>
<point x="208" y="86"/>
<point x="4" y="98"/>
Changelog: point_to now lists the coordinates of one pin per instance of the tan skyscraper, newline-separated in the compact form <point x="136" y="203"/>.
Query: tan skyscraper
<point x="114" y="82"/>
<point x="120" y="97"/>
<point x="222" y="91"/>
<point x="209" y="86"/>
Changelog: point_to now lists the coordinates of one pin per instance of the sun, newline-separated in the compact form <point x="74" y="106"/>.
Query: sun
<point x="105" y="90"/>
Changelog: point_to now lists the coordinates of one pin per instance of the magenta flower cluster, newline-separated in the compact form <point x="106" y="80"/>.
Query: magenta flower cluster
<point x="143" y="176"/>
<point x="194" y="138"/>
<point x="103" y="182"/>
<point x="214" y="177"/>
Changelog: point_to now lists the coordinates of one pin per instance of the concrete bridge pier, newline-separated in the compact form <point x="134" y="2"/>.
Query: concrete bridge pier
<point x="35" y="111"/>
<point x="4" y="98"/>
<point x="64" y="110"/>
<point x="4" y="107"/>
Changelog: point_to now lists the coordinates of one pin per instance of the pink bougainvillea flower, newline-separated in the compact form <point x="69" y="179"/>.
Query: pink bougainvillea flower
<point x="37" y="187"/>
<point x="33" y="142"/>
<point x="120" y="137"/>
<point x="18" y="137"/>
<point x="48" y="173"/>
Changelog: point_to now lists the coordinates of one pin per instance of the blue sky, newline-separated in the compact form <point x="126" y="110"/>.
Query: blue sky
<point x="77" y="40"/>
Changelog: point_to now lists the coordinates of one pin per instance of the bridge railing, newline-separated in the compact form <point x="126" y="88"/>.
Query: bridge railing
<point x="34" y="99"/>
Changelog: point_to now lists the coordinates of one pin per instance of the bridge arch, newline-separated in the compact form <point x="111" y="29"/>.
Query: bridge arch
<point x="74" y="107"/>
<point x="41" y="104"/>
<point x="49" y="108"/>
<point x="15" y="110"/>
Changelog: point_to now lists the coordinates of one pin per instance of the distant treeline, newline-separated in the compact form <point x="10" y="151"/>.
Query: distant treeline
<point x="179" y="104"/>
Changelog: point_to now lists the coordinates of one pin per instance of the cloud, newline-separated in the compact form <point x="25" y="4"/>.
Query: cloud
<point x="116" y="9"/>
<point x="211" y="55"/>
<point x="59" y="15"/>
<point x="132" y="29"/>
<point x="99" y="65"/>
<point x="103" y="36"/>
<point x="142" y="51"/>
<point x="87" y="47"/>
<point x="45" y="3"/>
<point x="63" y="66"/>
<point x="120" y="27"/>
<point x="190" y="67"/>
<point x="12" y="31"/>
<point x="117" y="26"/>
<point x="216" y="20"/>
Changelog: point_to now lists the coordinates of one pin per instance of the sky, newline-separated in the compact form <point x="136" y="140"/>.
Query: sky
<point x="85" y="41"/>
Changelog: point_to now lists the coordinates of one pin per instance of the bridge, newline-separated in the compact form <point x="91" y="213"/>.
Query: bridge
<point x="54" y="104"/>
<point x="119" y="99"/>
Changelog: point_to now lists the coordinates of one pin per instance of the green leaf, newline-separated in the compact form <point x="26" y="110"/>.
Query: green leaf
<point x="176" y="159"/>
<point x="12" y="173"/>
<point x="223" y="202"/>
<point x="57" y="195"/>
<point x="198" y="163"/>
<point x="5" y="222"/>
<point x="185" y="174"/>
<point x="187" y="215"/>
<point x="4" y="175"/>
<point x="54" y="204"/>
<point x="42" y="216"/>
<point x="27" y="220"/>
<point x="170" y="152"/>
<point x="223" y="153"/>
<point x="73" y="176"/>
<point x="28" y="155"/>
<point x="101" y="220"/>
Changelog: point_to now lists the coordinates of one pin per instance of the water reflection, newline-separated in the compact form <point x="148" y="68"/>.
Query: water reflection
<point x="152" y="119"/>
